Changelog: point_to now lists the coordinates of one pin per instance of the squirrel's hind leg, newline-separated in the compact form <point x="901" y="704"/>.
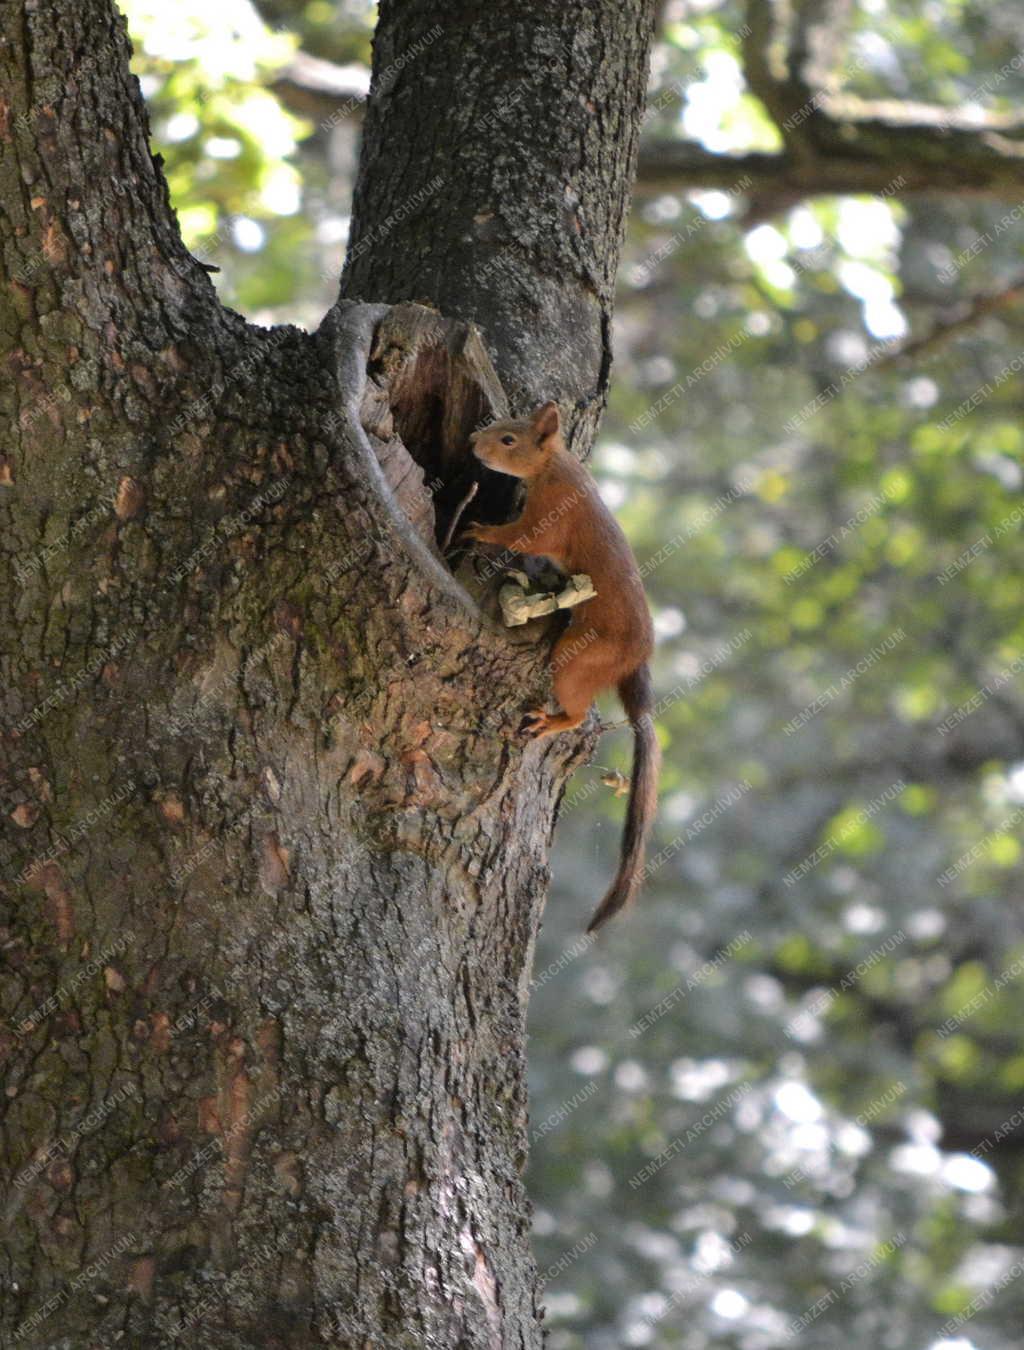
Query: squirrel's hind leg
<point x="539" y="723"/>
<point x="579" y="676"/>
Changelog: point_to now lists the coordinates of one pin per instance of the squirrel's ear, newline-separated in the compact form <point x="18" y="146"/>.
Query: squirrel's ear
<point x="546" y="421"/>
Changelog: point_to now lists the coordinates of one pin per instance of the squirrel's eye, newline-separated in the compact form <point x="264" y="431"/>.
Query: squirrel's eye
<point x="508" y="440"/>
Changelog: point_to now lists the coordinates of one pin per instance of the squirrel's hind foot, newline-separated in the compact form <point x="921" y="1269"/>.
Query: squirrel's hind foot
<point x="539" y="723"/>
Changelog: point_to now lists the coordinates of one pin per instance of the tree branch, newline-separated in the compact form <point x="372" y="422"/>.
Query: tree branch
<point x="773" y="75"/>
<point x="99" y="209"/>
<point x="882" y="153"/>
<point x="835" y="143"/>
<point x="956" y="321"/>
<point x="819" y="32"/>
<point x="321" y="89"/>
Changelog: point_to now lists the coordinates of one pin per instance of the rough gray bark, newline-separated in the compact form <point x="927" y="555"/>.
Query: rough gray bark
<point x="273" y="855"/>
<point x="523" y="235"/>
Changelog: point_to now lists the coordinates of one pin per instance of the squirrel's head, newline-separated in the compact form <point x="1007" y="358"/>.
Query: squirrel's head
<point x="521" y="447"/>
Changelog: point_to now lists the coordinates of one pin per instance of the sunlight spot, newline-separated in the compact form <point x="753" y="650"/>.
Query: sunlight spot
<point x="638" y="1333"/>
<point x="749" y="1114"/>
<point x="921" y="392"/>
<point x="600" y="985"/>
<point x="796" y="1102"/>
<point x="965" y="1173"/>
<point x="730" y="1304"/>
<point x="223" y="147"/>
<point x="333" y="229"/>
<point x="710" y="1253"/>
<point x="249" y="235"/>
<point x="280" y="193"/>
<point x="805" y="1027"/>
<point x="765" y="992"/>
<point x="260" y="115"/>
<point x="669" y="622"/>
<point x="708" y="100"/>
<point x="561" y="1306"/>
<point x="654" y="1244"/>
<point x="863" y="919"/>
<point x="679" y="806"/>
<point x="631" y="1076"/>
<point x="706" y="305"/>
<point x="713" y="205"/>
<point x="809" y="1138"/>
<point x="663" y="208"/>
<point x="790" y="1219"/>
<point x="923" y="1127"/>
<point x="1015" y="782"/>
<point x="863" y="281"/>
<point x="616" y="457"/>
<point x="589" y="1060"/>
<point x="884" y="320"/>
<point x="598" y="1179"/>
<point x="765" y="244"/>
<point x="924" y="924"/>
<point x="853" y="1141"/>
<point x="612" y="494"/>
<point x="1007" y="471"/>
<point x="804" y="230"/>
<point x="917" y="1159"/>
<point x="866" y="228"/>
<point x="974" y="112"/>
<point x="780" y="274"/>
<point x="695" y="1081"/>
<point x="847" y="347"/>
<point x="181" y="126"/>
<point x="658" y="370"/>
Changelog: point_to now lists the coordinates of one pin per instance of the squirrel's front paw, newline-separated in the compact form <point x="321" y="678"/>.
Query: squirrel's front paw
<point x="475" y="533"/>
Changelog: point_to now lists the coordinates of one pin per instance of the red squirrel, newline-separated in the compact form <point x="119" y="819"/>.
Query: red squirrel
<point x="610" y="639"/>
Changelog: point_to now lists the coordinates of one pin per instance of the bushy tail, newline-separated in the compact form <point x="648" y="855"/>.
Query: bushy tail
<point x="637" y="696"/>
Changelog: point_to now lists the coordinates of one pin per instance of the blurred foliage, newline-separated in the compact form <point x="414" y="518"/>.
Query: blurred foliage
<point x="335" y="30"/>
<point x="808" y="1031"/>
<point x="251" y="183"/>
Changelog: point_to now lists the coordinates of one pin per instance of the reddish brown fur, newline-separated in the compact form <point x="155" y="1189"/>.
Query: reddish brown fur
<point x="610" y="639"/>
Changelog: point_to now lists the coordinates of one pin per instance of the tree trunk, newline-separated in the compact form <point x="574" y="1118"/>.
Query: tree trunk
<point x="273" y="853"/>
<point x="494" y="180"/>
